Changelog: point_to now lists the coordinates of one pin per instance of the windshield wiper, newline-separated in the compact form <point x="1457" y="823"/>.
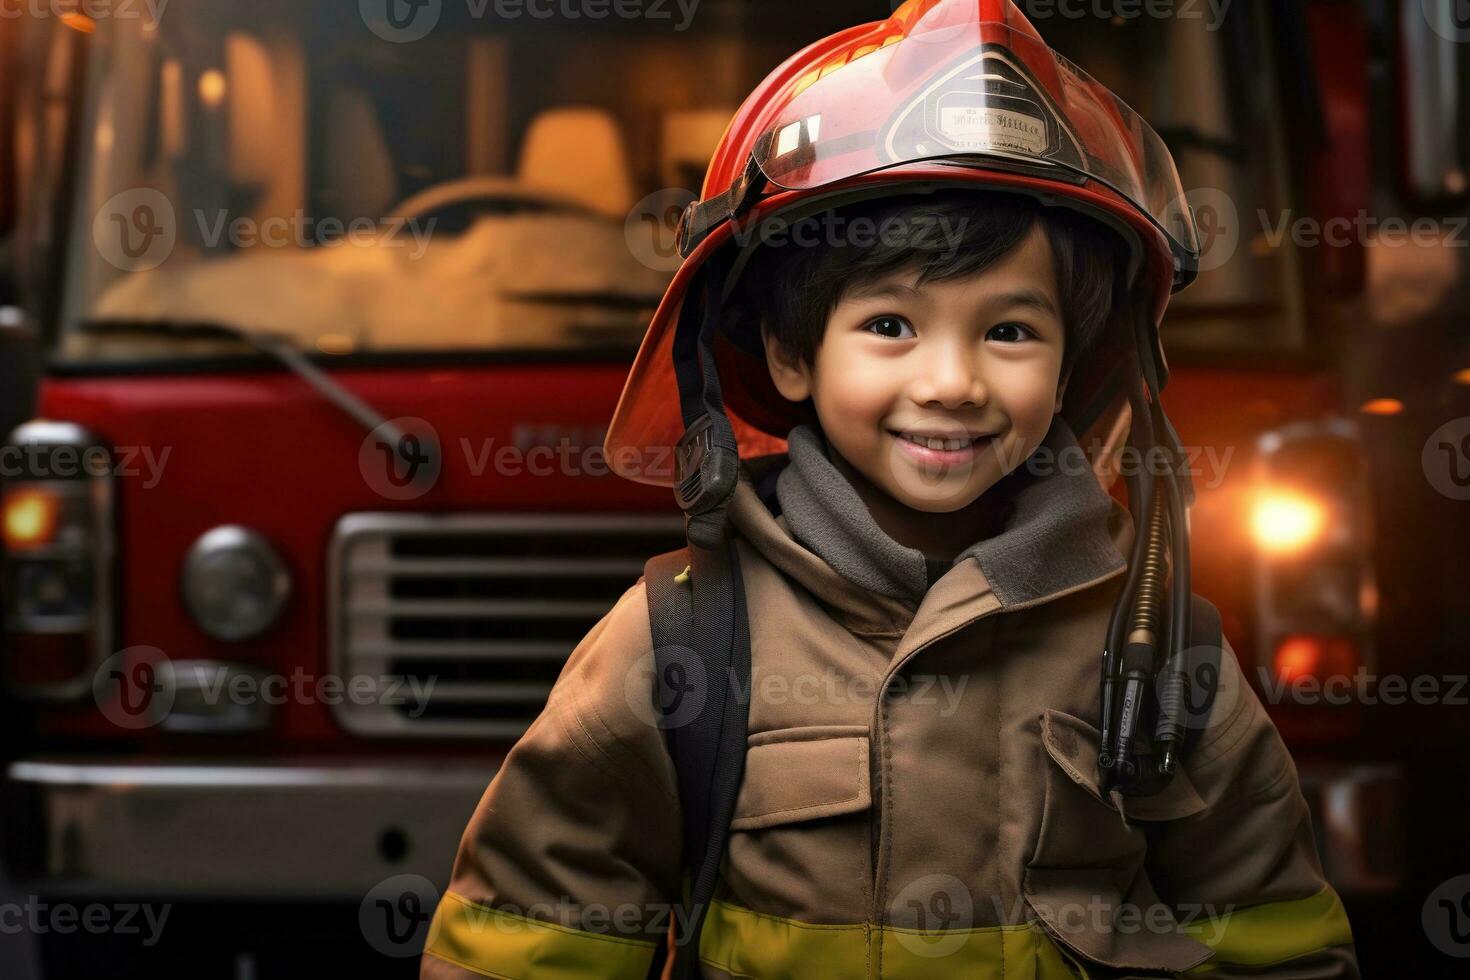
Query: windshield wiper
<point x="285" y="351"/>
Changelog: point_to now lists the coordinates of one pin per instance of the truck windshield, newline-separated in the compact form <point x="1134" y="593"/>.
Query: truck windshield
<point x="382" y="176"/>
<point x="461" y="175"/>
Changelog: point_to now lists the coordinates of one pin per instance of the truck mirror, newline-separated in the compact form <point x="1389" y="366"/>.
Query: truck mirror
<point x="8" y="173"/>
<point x="1435" y="81"/>
<point x="20" y="367"/>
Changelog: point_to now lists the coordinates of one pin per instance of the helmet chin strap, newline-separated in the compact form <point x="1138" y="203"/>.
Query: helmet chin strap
<point x="707" y="458"/>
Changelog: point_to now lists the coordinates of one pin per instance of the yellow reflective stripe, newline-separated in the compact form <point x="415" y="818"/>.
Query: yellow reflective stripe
<point x="1273" y="932"/>
<point x="494" y="943"/>
<point x="746" y="943"/>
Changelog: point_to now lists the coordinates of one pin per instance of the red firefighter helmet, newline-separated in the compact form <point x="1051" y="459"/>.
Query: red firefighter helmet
<point x="943" y="93"/>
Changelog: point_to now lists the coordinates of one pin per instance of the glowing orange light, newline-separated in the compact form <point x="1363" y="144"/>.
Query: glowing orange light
<point x="212" y="87"/>
<point x="1305" y="655"/>
<point x="1461" y="377"/>
<point x="30" y="518"/>
<point x="1382" y="406"/>
<point x="1298" y="656"/>
<point x="79" y="22"/>
<point x="1285" y="522"/>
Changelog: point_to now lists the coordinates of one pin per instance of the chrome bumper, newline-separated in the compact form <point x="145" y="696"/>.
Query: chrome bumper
<point x="280" y="830"/>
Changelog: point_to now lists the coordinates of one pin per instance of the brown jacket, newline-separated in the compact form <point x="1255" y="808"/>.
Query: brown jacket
<point x="920" y="795"/>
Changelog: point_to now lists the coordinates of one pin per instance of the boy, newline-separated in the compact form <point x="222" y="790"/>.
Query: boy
<point x="921" y="791"/>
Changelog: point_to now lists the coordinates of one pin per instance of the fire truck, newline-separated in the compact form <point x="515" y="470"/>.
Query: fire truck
<point x="329" y="307"/>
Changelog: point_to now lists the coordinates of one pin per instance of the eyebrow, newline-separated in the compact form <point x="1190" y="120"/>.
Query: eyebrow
<point x="890" y="288"/>
<point x="894" y="289"/>
<point x="1031" y="298"/>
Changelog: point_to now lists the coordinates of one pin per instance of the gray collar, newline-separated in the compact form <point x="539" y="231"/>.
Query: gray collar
<point x="1055" y="536"/>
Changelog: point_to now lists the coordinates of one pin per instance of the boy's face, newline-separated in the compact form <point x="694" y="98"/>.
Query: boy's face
<point x="972" y="356"/>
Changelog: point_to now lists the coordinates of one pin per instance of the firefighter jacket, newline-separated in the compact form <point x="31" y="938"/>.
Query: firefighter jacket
<point x="920" y="796"/>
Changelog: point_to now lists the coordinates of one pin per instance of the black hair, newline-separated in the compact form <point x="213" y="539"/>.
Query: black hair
<point x="800" y="272"/>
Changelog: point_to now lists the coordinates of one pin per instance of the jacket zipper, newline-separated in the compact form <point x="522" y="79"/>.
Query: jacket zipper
<point x="875" y="935"/>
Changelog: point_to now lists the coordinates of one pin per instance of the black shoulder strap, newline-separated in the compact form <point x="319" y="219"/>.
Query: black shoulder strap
<point x="702" y="669"/>
<point x="670" y="603"/>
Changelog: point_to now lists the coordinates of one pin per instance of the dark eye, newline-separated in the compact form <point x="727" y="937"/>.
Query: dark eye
<point x="1009" y="333"/>
<point x="889" y="326"/>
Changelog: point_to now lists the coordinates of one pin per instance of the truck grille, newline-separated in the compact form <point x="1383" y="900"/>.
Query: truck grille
<point x="486" y="606"/>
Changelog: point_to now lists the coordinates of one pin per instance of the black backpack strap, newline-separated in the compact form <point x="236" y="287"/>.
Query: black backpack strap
<point x="701" y="642"/>
<point x="670" y="605"/>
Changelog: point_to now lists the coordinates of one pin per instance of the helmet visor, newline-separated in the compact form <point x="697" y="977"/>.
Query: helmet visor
<point x="980" y="94"/>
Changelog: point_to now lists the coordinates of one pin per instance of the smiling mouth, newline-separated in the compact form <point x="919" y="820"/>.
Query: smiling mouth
<point x="943" y="445"/>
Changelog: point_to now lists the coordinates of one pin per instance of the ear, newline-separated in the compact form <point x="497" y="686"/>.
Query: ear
<point x="788" y="372"/>
<point x="1061" y="391"/>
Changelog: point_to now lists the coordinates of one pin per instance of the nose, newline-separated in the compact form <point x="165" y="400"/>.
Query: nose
<point x="950" y="378"/>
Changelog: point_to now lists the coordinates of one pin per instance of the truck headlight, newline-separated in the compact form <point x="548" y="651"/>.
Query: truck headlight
<point x="235" y="585"/>
<point x="1283" y="522"/>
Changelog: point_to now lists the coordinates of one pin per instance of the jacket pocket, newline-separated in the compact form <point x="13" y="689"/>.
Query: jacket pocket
<point x="803" y="773"/>
<point x="1086" y="880"/>
<point x="799" y="841"/>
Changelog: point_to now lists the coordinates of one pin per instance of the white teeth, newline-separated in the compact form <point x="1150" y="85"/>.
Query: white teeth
<point x="943" y="444"/>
